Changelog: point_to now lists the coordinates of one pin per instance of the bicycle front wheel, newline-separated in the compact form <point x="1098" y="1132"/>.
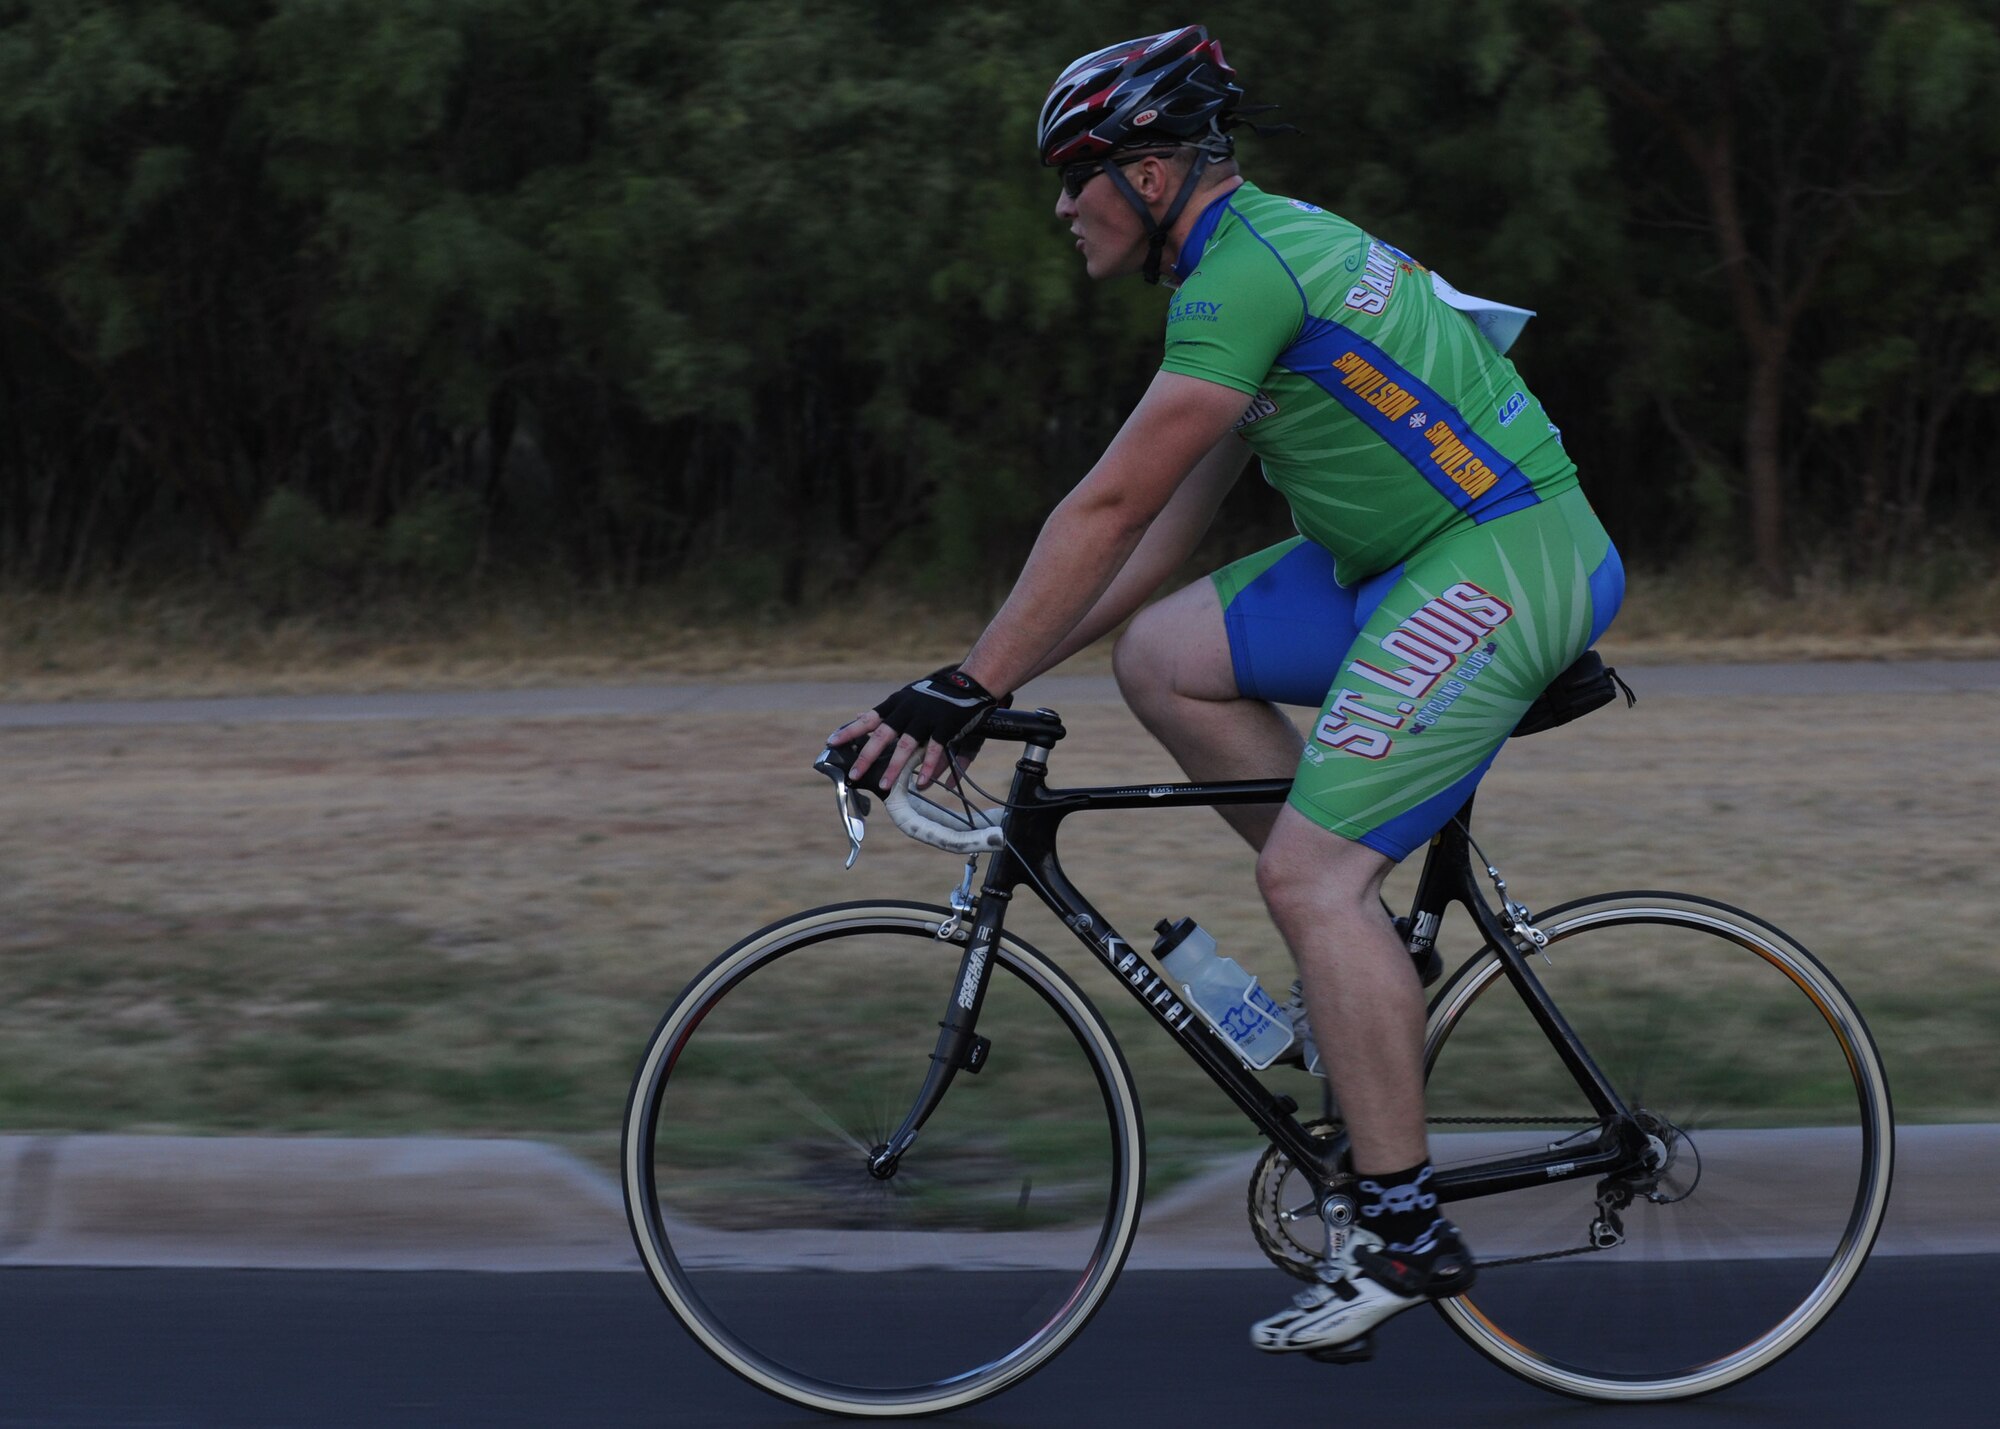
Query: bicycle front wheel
<point x="1765" y="1101"/>
<point x="747" y="1137"/>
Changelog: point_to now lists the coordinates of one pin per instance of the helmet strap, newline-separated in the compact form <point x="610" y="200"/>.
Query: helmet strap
<point x="1157" y="232"/>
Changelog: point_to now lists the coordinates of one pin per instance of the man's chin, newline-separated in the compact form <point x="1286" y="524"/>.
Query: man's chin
<point x="1101" y="269"/>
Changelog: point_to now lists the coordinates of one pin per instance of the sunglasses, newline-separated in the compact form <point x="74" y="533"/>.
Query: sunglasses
<point x="1076" y="176"/>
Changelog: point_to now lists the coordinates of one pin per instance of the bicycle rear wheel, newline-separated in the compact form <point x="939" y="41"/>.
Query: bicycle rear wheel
<point x="1755" y="1074"/>
<point x="747" y="1184"/>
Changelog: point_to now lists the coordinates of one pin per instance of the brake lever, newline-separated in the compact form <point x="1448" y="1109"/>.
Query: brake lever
<point x="833" y="762"/>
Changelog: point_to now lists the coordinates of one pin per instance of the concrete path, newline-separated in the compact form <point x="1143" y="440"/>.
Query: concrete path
<point x="411" y="1203"/>
<point x="1807" y="678"/>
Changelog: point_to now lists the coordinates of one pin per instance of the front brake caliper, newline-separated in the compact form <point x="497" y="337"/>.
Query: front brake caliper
<point x="963" y="905"/>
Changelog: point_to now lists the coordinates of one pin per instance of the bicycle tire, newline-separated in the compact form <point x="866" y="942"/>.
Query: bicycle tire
<point x="761" y="1228"/>
<point x="1773" y="1107"/>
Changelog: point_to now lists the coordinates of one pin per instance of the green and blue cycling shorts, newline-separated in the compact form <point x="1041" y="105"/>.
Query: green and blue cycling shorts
<point x="1422" y="671"/>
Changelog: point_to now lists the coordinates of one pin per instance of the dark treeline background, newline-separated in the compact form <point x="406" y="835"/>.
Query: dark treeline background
<point x="770" y="293"/>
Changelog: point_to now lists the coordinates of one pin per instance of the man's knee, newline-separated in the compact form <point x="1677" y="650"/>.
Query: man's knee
<point x="1176" y="647"/>
<point x="1305" y="870"/>
<point x="1136" y="658"/>
<point x="1284" y="877"/>
<point x="1147" y="658"/>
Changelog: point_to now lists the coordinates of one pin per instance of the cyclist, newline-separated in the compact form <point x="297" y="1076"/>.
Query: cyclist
<point x="1447" y="567"/>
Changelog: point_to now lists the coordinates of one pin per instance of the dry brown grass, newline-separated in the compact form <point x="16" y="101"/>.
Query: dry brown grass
<point x="1948" y="610"/>
<point x="111" y="645"/>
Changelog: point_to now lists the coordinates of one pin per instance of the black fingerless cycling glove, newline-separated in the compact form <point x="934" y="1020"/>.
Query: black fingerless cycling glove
<point x="942" y="706"/>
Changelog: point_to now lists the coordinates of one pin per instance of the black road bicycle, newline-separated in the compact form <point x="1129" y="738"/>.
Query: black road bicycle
<point x="885" y="1158"/>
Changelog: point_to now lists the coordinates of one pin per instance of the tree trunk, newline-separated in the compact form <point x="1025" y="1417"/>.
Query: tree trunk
<point x="1767" y="336"/>
<point x="1763" y="459"/>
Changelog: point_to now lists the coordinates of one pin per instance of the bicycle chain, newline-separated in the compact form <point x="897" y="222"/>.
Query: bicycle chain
<point x="1518" y="1121"/>
<point x="1545" y="1255"/>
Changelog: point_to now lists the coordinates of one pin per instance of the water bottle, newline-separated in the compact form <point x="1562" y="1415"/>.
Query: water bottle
<point x="1227" y="997"/>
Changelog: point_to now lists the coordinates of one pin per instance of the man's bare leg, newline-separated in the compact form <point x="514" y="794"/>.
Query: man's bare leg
<point x="1367" y="1009"/>
<point x="1361" y="989"/>
<point x="1174" y="669"/>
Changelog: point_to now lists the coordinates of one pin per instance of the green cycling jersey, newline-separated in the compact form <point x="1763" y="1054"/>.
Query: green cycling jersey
<point x="1384" y="413"/>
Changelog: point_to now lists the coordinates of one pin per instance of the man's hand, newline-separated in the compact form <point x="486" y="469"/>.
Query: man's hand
<point x="926" y="715"/>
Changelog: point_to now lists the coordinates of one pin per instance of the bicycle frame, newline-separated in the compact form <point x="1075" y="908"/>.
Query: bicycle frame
<point x="1035" y="812"/>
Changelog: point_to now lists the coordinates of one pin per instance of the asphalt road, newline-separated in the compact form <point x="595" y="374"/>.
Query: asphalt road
<point x="1910" y="1346"/>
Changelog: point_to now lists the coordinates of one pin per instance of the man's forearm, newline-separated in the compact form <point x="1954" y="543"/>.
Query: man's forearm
<point x="1075" y="560"/>
<point x="1179" y="429"/>
<point x="1169" y="540"/>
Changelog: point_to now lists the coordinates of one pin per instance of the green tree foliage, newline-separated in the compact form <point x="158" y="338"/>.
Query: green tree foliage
<point x="1793" y="141"/>
<point x="319" y="290"/>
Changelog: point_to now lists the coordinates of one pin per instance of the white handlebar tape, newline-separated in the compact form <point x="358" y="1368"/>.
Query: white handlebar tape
<point x="938" y="826"/>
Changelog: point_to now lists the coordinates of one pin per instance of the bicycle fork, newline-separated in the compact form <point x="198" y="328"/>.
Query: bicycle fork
<point x="959" y="1048"/>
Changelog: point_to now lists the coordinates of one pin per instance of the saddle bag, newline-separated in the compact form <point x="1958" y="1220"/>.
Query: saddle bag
<point x="1586" y="685"/>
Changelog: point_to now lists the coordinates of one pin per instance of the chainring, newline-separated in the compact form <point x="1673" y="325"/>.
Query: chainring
<point x="1284" y="1214"/>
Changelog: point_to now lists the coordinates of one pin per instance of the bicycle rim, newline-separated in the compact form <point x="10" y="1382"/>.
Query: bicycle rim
<point x="756" y="1105"/>
<point x="1746" y="1060"/>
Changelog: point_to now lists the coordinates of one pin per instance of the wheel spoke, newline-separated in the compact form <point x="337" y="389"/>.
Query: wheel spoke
<point x="806" y="1106"/>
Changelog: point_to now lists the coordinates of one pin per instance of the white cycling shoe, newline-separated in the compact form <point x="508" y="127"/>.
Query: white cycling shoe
<point x="1332" y="1318"/>
<point x="1331" y="1321"/>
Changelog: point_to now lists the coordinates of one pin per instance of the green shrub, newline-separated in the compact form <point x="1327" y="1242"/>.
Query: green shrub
<point x="435" y="539"/>
<point x="297" y="556"/>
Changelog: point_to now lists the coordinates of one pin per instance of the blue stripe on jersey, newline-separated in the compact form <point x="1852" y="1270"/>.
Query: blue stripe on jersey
<point x="1324" y="341"/>
<point x="1198" y="236"/>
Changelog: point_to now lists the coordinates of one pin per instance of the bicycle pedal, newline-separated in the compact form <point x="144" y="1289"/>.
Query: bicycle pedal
<point x="1355" y="1351"/>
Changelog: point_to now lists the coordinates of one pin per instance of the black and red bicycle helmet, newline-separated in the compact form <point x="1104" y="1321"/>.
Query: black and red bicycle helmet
<point x="1170" y="88"/>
